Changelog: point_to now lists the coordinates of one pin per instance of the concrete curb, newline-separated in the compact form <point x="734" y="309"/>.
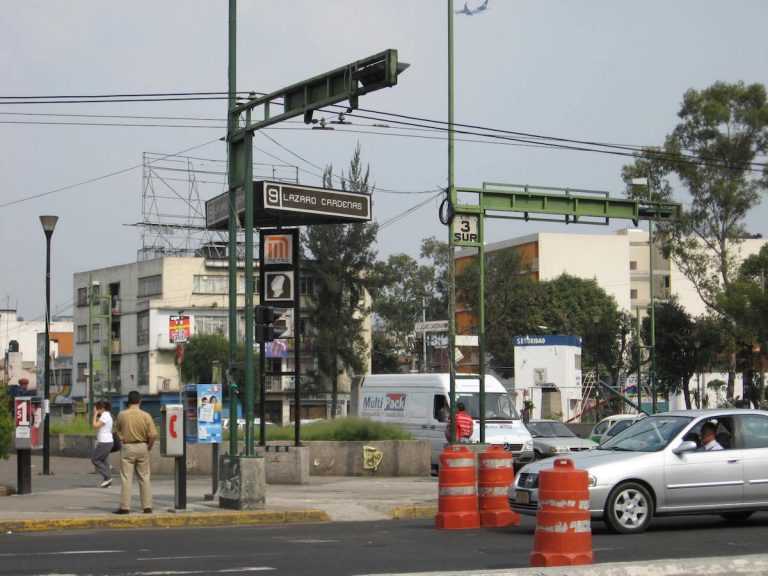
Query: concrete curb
<point x="413" y="512"/>
<point x="184" y="519"/>
<point x="750" y="565"/>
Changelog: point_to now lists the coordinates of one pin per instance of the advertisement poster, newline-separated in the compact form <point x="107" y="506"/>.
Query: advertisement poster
<point x="178" y="329"/>
<point x="209" y="401"/>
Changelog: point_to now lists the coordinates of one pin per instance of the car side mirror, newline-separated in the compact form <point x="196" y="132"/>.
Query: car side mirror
<point x="686" y="446"/>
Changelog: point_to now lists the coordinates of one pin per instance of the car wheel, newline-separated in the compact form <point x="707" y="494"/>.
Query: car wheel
<point x="629" y="508"/>
<point x="741" y="516"/>
<point x="537" y="455"/>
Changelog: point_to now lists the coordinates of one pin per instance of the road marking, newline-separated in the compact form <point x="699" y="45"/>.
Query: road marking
<point x="184" y="572"/>
<point x="182" y="557"/>
<point x="63" y="553"/>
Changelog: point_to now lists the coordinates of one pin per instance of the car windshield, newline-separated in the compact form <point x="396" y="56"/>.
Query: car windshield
<point x="498" y="406"/>
<point x="549" y="430"/>
<point x="620" y="426"/>
<point x="647" y="435"/>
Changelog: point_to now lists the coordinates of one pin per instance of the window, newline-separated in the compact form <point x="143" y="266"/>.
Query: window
<point x="754" y="430"/>
<point x="82" y="367"/>
<point x="241" y="284"/>
<point x="96" y="332"/>
<point x="142" y="328"/>
<point x="82" y="296"/>
<point x="211" y="325"/>
<point x="633" y="294"/>
<point x="633" y="264"/>
<point x="142" y="378"/>
<point x="666" y="282"/>
<point x="82" y="334"/>
<point x="150" y="285"/>
<point x="204" y="284"/>
<point x="65" y="376"/>
<point x="440" y="409"/>
<point x="577" y="361"/>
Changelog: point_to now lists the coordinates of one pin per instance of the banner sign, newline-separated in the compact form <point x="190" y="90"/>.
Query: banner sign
<point x="209" y="402"/>
<point x="178" y="329"/>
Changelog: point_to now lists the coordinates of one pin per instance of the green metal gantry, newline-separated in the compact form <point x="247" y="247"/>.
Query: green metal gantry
<point x="529" y="203"/>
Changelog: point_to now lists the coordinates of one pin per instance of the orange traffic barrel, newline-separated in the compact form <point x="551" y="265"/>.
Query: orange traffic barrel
<point x="563" y="531"/>
<point x="495" y="476"/>
<point x="457" y="490"/>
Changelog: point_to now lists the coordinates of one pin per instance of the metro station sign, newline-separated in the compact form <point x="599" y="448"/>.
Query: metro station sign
<point x="281" y="204"/>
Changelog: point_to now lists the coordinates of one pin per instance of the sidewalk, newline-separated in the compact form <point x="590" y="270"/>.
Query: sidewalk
<point x="72" y="492"/>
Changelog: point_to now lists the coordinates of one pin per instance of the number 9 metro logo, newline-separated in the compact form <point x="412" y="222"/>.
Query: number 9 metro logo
<point x="272" y="196"/>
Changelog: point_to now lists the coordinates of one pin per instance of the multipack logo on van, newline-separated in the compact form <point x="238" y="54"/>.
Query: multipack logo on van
<point x="390" y="403"/>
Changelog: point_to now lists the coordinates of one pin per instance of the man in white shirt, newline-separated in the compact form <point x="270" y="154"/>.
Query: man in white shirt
<point x="708" y="437"/>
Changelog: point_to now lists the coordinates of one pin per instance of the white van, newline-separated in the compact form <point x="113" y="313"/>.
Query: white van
<point x="419" y="403"/>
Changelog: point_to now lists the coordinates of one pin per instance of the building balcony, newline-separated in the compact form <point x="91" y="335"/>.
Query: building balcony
<point x="116" y="349"/>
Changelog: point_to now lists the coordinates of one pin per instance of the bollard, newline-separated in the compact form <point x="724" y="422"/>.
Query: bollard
<point x="563" y="532"/>
<point x="457" y="490"/>
<point x="494" y="479"/>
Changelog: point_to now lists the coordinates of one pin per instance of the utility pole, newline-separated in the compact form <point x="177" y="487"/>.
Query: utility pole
<point x="424" y="335"/>
<point x="638" y="358"/>
<point x="232" y="225"/>
<point x="90" y="347"/>
<point x="652" y="371"/>
<point x="451" y="263"/>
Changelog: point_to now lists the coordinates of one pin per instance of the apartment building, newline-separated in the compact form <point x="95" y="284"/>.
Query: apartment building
<point x="124" y="336"/>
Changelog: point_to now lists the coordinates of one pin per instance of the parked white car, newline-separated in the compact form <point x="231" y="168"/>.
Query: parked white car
<point x="611" y="425"/>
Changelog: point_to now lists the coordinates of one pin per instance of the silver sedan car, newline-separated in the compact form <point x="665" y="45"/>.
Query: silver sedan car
<point x="658" y="467"/>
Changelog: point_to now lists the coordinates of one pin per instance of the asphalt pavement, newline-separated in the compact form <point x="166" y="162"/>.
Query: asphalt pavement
<point x="356" y="548"/>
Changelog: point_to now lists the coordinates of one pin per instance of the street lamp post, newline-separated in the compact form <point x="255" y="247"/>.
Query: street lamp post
<point x="49" y="223"/>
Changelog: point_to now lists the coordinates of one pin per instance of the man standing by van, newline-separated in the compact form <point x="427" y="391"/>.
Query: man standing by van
<point x="464" y="425"/>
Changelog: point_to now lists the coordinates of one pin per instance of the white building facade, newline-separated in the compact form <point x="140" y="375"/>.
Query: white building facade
<point x="128" y="346"/>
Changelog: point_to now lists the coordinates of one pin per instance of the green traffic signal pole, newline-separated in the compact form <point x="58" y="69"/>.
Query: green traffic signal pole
<point x="232" y="224"/>
<point x="451" y="263"/>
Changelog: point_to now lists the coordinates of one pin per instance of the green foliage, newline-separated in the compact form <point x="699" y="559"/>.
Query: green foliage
<point x="341" y="430"/>
<point x="342" y="257"/>
<point x="6" y="424"/>
<point x="436" y="251"/>
<point x="711" y="150"/>
<point x="722" y="129"/>
<point x="385" y="359"/>
<point x="517" y="305"/>
<point x="200" y="353"/>
<point x="74" y="427"/>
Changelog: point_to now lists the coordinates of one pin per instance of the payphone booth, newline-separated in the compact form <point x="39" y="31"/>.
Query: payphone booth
<point x="28" y="411"/>
<point x="202" y="409"/>
<point x="172" y="430"/>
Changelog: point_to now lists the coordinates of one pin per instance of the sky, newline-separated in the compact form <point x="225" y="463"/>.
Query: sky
<point x="586" y="69"/>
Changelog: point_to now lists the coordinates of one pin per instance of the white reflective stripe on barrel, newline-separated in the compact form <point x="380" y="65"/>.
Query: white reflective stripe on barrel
<point x="493" y="491"/>
<point x="564" y="527"/>
<point x="496" y="463"/>
<point x="460" y="463"/>
<point x="456" y="490"/>
<point x="582" y="504"/>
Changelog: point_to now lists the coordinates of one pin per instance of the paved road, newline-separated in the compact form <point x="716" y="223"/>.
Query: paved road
<point x="347" y="548"/>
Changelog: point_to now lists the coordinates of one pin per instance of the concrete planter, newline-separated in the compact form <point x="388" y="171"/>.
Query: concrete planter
<point x="399" y="458"/>
<point x="326" y="458"/>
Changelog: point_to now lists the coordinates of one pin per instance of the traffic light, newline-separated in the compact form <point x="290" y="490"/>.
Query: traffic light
<point x="264" y="317"/>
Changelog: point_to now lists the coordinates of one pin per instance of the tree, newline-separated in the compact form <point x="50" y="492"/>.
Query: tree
<point x="385" y="360"/>
<point x="200" y="353"/>
<point x="342" y="258"/>
<point x="6" y="423"/>
<point x="516" y="304"/>
<point x="437" y="252"/>
<point x="745" y="302"/>
<point x="711" y="151"/>
<point x="676" y="359"/>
